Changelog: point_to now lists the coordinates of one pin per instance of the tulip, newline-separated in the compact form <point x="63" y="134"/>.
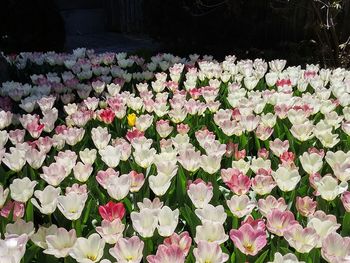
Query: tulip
<point x="54" y="174"/>
<point x="209" y="252"/>
<point x="183" y="241"/>
<point x="22" y="189"/>
<point x="323" y="225"/>
<point x="82" y="171"/>
<point x="336" y="248"/>
<point x="20" y="227"/>
<point x="17" y="209"/>
<point x="71" y="205"/>
<point x="167" y="221"/>
<point x="35" y="158"/>
<point x="240" y="205"/>
<point x="13" y="248"/>
<point x="305" y="205"/>
<point x="170" y="254"/>
<point x="100" y="137"/>
<point x="154" y="205"/>
<point x="329" y="188"/>
<point x="137" y="181"/>
<point x="47" y="198"/>
<point x="3" y="195"/>
<point x="88" y="156"/>
<point x="278" y="222"/>
<point x="39" y="238"/>
<point x="211" y="232"/>
<point x="212" y="213"/>
<point x="312" y="163"/>
<point x="144" y="222"/>
<point x="190" y="159"/>
<point x="286" y="179"/>
<point x="239" y="184"/>
<point x="345" y="198"/>
<point x="111" y="231"/>
<point x="15" y="160"/>
<point x="112" y="211"/>
<point x="128" y="250"/>
<point x="86" y="250"/>
<point x="119" y="186"/>
<point x="302" y="239"/>
<point x="143" y="122"/>
<point x="248" y="240"/>
<point x="200" y="193"/>
<point x="287" y="258"/>
<point x="110" y="155"/>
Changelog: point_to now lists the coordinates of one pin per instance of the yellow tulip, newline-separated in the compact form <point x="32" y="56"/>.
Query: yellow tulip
<point x="131" y="119"/>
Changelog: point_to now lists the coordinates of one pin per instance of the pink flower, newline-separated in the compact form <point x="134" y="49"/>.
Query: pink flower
<point x="305" y="205"/>
<point x="345" y="198"/>
<point x="240" y="205"/>
<point x="239" y="183"/>
<point x="17" y="207"/>
<point x="263" y="153"/>
<point x="182" y="128"/>
<point x="270" y="203"/>
<point x="137" y="181"/>
<point x="34" y="128"/>
<point x="128" y="250"/>
<point x="112" y="211"/>
<point x="134" y="133"/>
<point x="336" y="249"/>
<point x="287" y="158"/>
<point x="183" y="241"/>
<point x="103" y="177"/>
<point x="169" y="254"/>
<point x="248" y="240"/>
<point x="257" y="224"/>
<point x="107" y="116"/>
<point x="209" y="252"/>
<point x="263" y="184"/>
<point x="280" y="221"/>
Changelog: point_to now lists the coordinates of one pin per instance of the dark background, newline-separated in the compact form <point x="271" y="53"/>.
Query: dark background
<point x="297" y="30"/>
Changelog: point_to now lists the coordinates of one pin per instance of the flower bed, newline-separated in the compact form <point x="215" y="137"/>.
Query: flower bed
<point x="116" y="158"/>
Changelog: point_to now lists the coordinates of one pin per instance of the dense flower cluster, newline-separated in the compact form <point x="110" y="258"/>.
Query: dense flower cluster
<point x="115" y="158"/>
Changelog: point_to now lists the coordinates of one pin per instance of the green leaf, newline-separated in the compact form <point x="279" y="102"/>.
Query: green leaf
<point x="29" y="211"/>
<point x="30" y="253"/>
<point x="262" y="257"/>
<point x="346" y="225"/>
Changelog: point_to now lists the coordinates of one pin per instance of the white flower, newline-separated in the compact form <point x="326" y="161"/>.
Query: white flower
<point x="47" y="198"/>
<point x="167" y="221"/>
<point x="22" y="189"/>
<point x="144" y="222"/>
<point x="87" y="250"/>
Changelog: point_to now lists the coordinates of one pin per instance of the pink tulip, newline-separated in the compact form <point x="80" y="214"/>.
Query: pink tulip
<point x="270" y="203"/>
<point x="305" y="205"/>
<point x="17" y="207"/>
<point x="183" y="240"/>
<point x="137" y="181"/>
<point x="263" y="153"/>
<point x="279" y="222"/>
<point x="169" y="254"/>
<point x="336" y="249"/>
<point x="239" y="184"/>
<point x="257" y="224"/>
<point x="345" y="198"/>
<point x="128" y="250"/>
<point x="248" y="240"/>
<point x="112" y="211"/>
<point x="182" y="128"/>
